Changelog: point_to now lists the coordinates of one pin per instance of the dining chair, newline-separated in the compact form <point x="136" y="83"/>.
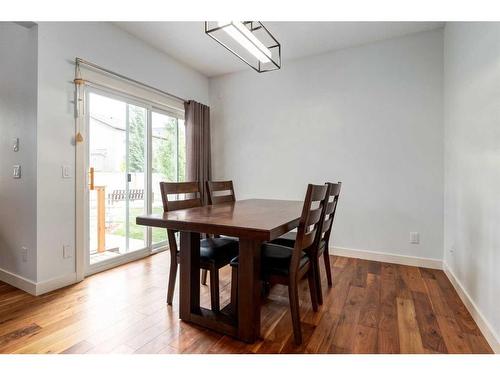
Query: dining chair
<point x="220" y="192"/>
<point x="327" y="218"/>
<point x="215" y="253"/>
<point x="288" y="265"/>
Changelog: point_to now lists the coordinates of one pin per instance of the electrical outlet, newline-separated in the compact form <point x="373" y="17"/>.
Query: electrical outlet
<point x="16" y="171"/>
<point x="24" y="253"/>
<point x="414" y="237"/>
<point x="66" y="251"/>
<point x="66" y="171"/>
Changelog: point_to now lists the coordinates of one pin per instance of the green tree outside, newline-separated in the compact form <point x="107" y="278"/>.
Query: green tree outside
<point x="137" y="140"/>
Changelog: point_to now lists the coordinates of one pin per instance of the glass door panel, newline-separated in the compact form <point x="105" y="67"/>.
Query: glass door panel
<point x="136" y="177"/>
<point x="117" y="165"/>
<point x="165" y="163"/>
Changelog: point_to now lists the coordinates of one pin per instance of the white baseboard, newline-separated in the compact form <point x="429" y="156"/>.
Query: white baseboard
<point x="478" y="317"/>
<point x="388" y="257"/>
<point x="18" y="281"/>
<point x="34" y="288"/>
<point x="55" y="283"/>
<point x="42" y="287"/>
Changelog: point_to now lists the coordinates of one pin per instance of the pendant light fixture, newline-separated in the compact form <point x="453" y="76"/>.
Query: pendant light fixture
<point x="249" y="40"/>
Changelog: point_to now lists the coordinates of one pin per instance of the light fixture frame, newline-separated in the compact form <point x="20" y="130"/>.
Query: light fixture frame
<point x="254" y="25"/>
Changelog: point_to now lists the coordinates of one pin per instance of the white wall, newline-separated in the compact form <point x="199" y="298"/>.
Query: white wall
<point x="17" y="120"/>
<point x="369" y="116"/>
<point x="472" y="163"/>
<point x="110" y="47"/>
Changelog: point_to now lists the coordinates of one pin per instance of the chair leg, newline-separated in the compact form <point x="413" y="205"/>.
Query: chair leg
<point x="203" y="277"/>
<point x="171" y="277"/>
<point x="293" y="295"/>
<point x="266" y="288"/>
<point x="326" y="258"/>
<point x="214" y="289"/>
<point x="317" y="280"/>
<point x="234" y="290"/>
<point x="312" y="280"/>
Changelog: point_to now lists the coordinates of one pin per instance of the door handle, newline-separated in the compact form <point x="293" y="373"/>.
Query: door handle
<point x="91" y="178"/>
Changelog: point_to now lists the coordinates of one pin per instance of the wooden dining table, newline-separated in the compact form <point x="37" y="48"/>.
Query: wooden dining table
<point x="253" y="221"/>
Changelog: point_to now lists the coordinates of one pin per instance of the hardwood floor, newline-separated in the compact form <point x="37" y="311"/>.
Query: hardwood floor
<point x="372" y="308"/>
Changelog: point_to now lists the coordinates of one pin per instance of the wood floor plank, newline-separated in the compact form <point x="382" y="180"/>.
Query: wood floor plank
<point x="478" y="344"/>
<point x="365" y="340"/>
<point x="388" y="336"/>
<point x="460" y="312"/>
<point x="346" y="329"/>
<point x="410" y="340"/>
<point x="456" y="341"/>
<point x="322" y="337"/>
<point x="361" y="272"/>
<point x="159" y="342"/>
<point x="388" y="342"/>
<point x="374" y="267"/>
<point x="372" y="307"/>
<point x="18" y="334"/>
<point x="203" y="342"/>
<point x="426" y="273"/>
<point x="412" y="278"/>
<point x="427" y="323"/>
<point x="79" y="348"/>
<point x="370" y="311"/>
<point x="439" y="305"/>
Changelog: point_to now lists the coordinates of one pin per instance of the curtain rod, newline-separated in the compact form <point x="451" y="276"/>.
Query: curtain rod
<point x="79" y="61"/>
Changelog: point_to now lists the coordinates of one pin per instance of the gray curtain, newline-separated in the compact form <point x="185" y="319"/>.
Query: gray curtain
<point x="198" y="154"/>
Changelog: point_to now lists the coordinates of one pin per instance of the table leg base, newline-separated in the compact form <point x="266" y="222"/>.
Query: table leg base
<point x="221" y="321"/>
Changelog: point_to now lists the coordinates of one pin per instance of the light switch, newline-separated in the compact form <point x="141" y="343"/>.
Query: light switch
<point x="414" y="237"/>
<point x="66" y="171"/>
<point x="66" y="251"/>
<point x="15" y="144"/>
<point x="16" y="171"/>
<point x="24" y="253"/>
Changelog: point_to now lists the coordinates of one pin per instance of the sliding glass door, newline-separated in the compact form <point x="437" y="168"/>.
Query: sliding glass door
<point x="131" y="147"/>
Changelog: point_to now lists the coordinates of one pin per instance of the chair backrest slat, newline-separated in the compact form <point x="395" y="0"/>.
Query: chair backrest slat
<point x="330" y="207"/>
<point x="190" y="191"/>
<point x="216" y="190"/>
<point x="181" y="187"/>
<point x="308" y="239"/>
<point x="310" y="223"/>
<point x="329" y="211"/>
<point x="314" y="216"/>
<point x="222" y="199"/>
<point x="183" y="204"/>
<point x="327" y="224"/>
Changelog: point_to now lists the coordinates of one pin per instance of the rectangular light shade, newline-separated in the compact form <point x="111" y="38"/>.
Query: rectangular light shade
<point x="248" y="40"/>
<point x="243" y="36"/>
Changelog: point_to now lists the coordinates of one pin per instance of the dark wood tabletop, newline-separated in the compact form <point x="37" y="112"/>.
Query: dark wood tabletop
<point x="263" y="219"/>
<point x="253" y="221"/>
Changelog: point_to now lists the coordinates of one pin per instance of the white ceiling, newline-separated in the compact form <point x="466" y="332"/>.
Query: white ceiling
<point x="187" y="42"/>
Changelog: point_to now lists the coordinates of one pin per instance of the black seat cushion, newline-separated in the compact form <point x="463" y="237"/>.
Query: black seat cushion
<point x="288" y="239"/>
<point x="275" y="259"/>
<point x="218" y="250"/>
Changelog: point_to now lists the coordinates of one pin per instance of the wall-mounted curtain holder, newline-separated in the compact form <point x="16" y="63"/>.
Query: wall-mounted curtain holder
<point x="79" y="82"/>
